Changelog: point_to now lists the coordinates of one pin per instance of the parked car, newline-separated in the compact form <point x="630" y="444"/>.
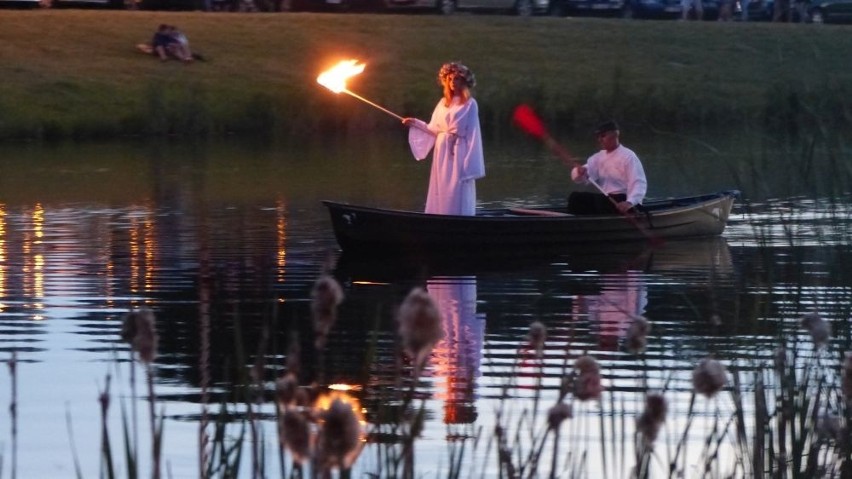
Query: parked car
<point x="447" y="7"/>
<point x="175" y="5"/>
<point x="811" y="11"/>
<point x="629" y="8"/>
<point x="116" y="4"/>
<point x="830" y="11"/>
<point x="764" y="10"/>
<point x="651" y="8"/>
<point x="20" y="3"/>
<point x="590" y="7"/>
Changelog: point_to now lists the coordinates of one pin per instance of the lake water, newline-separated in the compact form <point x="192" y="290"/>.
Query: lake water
<point x="224" y="240"/>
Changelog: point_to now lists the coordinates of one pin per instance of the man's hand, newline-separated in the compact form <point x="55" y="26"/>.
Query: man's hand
<point x="624" y="206"/>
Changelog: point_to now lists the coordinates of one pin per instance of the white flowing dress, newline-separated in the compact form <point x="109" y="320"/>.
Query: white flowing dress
<point x="457" y="159"/>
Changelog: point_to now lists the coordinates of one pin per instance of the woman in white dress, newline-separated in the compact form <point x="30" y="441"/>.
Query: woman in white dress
<point x="454" y="134"/>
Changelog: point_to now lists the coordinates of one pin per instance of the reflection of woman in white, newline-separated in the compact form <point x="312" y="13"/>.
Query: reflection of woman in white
<point x="456" y="358"/>
<point x="457" y="160"/>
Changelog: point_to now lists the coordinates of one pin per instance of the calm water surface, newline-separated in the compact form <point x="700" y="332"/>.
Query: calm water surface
<point x="224" y="241"/>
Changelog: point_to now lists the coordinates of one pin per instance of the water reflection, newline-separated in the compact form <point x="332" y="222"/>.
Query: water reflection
<point x="623" y="297"/>
<point x="456" y="359"/>
<point x="223" y="242"/>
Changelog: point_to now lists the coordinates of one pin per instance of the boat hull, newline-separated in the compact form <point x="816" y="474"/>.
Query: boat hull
<point x="373" y="231"/>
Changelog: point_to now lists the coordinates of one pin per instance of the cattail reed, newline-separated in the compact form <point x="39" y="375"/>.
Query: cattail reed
<point x="295" y="434"/>
<point x="326" y="295"/>
<point x="420" y="325"/>
<point x="286" y="388"/>
<point x="648" y="423"/>
<point x="587" y="380"/>
<point x="817" y="327"/>
<point x="709" y="377"/>
<point x="339" y="441"/>
<point x="846" y="378"/>
<point x="139" y="330"/>
<point x="779" y="360"/>
<point x="829" y="427"/>
<point x="636" y="339"/>
<point x="559" y="413"/>
<point x="536" y="337"/>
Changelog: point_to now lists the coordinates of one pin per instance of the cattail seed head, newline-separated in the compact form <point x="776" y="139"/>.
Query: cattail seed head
<point x="637" y="335"/>
<point x="559" y="413"/>
<point x="285" y="390"/>
<point x="138" y="328"/>
<point x="652" y="418"/>
<point x="709" y="377"/>
<point x="339" y="442"/>
<point x="326" y="295"/>
<point x="420" y="325"/>
<point x="536" y="337"/>
<point x="587" y="364"/>
<point x="817" y="327"/>
<point x="587" y="381"/>
<point x="296" y="434"/>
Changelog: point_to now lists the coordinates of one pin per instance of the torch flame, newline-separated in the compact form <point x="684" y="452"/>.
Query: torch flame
<point x="335" y="78"/>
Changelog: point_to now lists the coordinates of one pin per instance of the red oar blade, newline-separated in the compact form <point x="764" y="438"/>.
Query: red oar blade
<point x="526" y="119"/>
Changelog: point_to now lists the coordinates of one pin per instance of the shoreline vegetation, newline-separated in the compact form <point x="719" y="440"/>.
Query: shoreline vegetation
<point x="76" y="74"/>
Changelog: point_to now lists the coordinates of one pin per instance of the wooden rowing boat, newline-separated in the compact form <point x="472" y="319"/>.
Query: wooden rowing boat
<point x="377" y="231"/>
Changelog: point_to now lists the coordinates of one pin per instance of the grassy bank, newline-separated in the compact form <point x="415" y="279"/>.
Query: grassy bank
<point x="75" y="74"/>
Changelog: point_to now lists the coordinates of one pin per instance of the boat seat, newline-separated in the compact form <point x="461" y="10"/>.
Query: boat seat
<point x="525" y="211"/>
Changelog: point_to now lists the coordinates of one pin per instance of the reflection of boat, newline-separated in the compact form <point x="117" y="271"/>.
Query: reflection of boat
<point x="375" y="231"/>
<point x="701" y="254"/>
<point x="622" y="297"/>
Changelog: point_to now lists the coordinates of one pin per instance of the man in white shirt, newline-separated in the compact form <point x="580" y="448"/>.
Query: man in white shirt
<point x="615" y="171"/>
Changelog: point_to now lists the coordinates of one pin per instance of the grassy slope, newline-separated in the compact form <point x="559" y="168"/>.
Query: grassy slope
<point x="71" y="72"/>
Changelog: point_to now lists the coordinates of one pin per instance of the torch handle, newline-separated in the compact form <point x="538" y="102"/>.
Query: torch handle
<point x="373" y="104"/>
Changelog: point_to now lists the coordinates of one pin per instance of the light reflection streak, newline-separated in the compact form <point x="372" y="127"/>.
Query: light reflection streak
<point x="34" y="265"/>
<point x="280" y="237"/>
<point x="134" y="256"/>
<point x="2" y="255"/>
<point x="150" y="252"/>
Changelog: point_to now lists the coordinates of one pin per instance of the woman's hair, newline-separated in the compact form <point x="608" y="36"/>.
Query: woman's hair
<point x="458" y="69"/>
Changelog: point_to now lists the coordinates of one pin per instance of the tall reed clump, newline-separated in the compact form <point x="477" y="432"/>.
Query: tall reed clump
<point x="12" y="363"/>
<point x="801" y="409"/>
<point x="321" y="430"/>
<point x="791" y="420"/>
<point x="139" y="330"/>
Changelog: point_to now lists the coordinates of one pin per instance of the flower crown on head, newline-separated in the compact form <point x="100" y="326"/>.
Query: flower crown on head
<point x="457" y="69"/>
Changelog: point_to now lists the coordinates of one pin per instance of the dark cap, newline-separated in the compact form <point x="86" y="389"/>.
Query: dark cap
<point x="605" y="127"/>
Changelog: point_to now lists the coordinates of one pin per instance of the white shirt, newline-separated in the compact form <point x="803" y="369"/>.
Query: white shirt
<point x="616" y="171"/>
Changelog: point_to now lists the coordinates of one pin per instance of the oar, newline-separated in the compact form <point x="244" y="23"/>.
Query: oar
<point x="527" y="120"/>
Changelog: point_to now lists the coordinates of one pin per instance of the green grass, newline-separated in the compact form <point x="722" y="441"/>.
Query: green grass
<point x="75" y="74"/>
